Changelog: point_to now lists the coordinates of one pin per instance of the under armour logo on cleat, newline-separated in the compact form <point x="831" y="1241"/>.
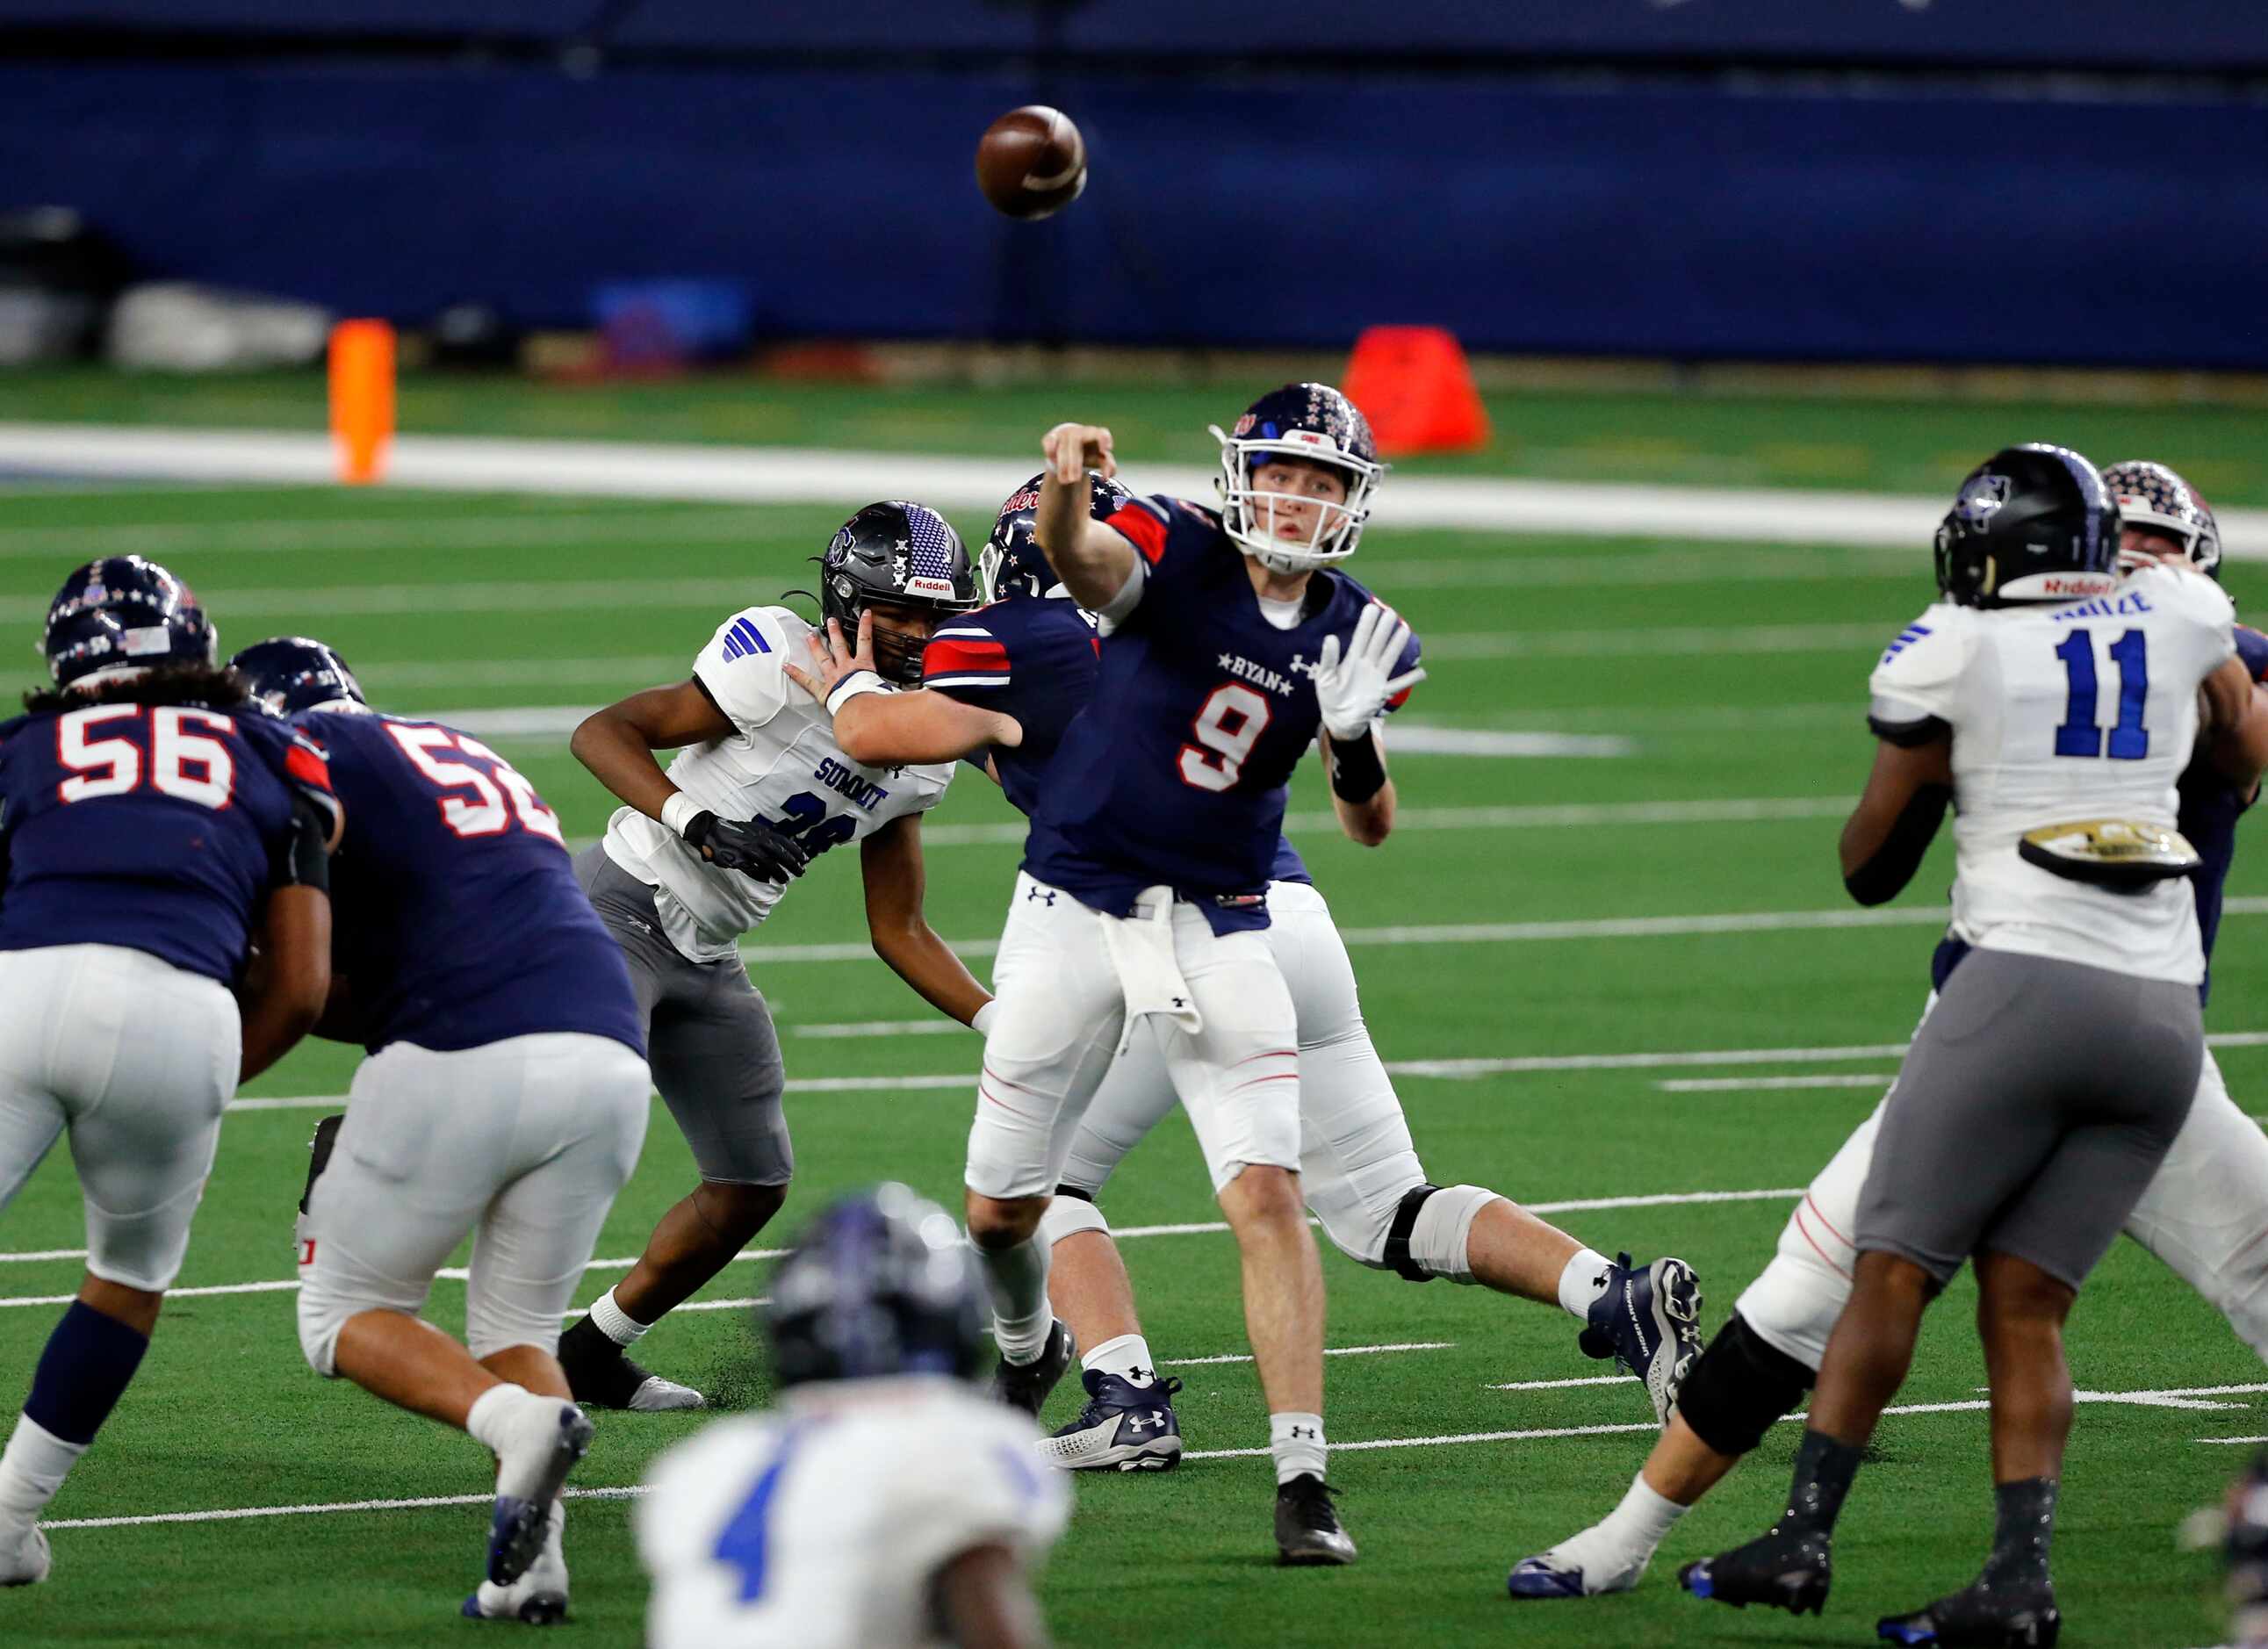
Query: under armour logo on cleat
<point x="1156" y="1417"/>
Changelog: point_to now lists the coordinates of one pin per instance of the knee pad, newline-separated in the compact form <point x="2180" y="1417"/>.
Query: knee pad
<point x="1429" y="1230"/>
<point x="1068" y="1212"/>
<point x="322" y="1315"/>
<point x="1739" y="1388"/>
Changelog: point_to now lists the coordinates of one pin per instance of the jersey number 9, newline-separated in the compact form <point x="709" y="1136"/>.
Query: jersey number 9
<point x="1228" y="725"/>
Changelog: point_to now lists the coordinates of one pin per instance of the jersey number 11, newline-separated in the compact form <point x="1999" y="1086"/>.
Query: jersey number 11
<point x="2129" y="740"/>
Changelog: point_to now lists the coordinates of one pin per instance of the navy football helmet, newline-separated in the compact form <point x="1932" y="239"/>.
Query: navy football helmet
<point x="896" y="555"/>
<point x="287" y="674"/>
<point x="123" y="613"/>
<point x="1012" y="564"/>
<point x="2031" y="523"/>
<point x="2153" y="496"/>
<point x="1315" y="424"/>
<point x="881" y="1283"/>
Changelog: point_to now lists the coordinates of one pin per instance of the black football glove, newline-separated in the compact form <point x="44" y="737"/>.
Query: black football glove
<point x="749" y="846"/>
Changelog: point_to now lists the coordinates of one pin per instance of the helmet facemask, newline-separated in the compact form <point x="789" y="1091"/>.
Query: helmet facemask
<point x="1248" y="514"/>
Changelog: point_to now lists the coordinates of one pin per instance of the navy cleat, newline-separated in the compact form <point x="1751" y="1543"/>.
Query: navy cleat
<point x="1025" y="1386"/>
<point x="1648" y="1319"/>
<point x="1545" y="1576"/>
<point x="1126" y="1423"/>
<point x="1982" y="1616"/>
<point x="1789" y="1571"/>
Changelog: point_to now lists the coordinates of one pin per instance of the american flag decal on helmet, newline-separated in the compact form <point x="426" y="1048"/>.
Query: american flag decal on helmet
<point x="930" y="570"/>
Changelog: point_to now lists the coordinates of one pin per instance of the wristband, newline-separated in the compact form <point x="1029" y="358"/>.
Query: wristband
<point x="852" y="685"/>
<point x="981" y="1021"/>
<point x="1358" y="772"/>
<point x="680" y="811"/>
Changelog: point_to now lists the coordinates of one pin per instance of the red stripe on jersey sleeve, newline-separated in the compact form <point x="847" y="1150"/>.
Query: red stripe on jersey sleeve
<point x="1401" y="698"/>
<point x="306" y="764"/>
<point x="956" y="655"/>
<point x="1140" y="528"/>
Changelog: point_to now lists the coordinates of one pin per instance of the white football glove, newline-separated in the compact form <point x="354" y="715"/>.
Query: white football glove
<point x="1352" y="687"/>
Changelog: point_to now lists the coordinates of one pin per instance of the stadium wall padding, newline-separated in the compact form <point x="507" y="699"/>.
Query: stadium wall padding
<point x="1677" y="219"/>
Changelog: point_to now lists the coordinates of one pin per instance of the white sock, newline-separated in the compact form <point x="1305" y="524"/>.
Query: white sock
<point x="1641" y="1521"/>
<point x="1017" y="1278"/>
<point x="497" y="1415"/>
<point x="1296" y="1441"/>
<point x="1583" y="1281"/>
<point x="616" y="1323"/>
<point x="1127" y="1357"/>
<point x="32" y="1467"/>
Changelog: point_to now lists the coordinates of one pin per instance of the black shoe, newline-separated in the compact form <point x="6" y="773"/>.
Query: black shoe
<point x="601" y="1375"/>
<point x="1983" y="1616"/>
<point x="1648" y="1319"/>
<point x="1025" y="1386"/>
<point x="1307" y="1524"/>
<point x="1128" y="1426"/>
<point x="1789" y="1571"/>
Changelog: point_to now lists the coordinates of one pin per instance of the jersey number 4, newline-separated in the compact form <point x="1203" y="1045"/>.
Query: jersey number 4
<point x="482" y="813"/>
<point x="2129" y="740"/>
<point x="166" y="751"/>
<point x="1224" y="731"/>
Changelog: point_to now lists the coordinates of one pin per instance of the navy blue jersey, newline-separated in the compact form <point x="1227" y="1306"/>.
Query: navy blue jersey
<point x="1175" y="773"/>
<point x="153" y="827"/>
<point x="456" y="918"/>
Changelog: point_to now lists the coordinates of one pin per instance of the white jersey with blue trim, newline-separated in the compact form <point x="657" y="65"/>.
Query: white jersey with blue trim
<point x="823" y="1526"/>
<point x="780" y="764"/>
<point x="2062" y="712"/>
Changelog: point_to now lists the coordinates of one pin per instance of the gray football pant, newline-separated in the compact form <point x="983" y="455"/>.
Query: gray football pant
<point x="709" y="1040"/>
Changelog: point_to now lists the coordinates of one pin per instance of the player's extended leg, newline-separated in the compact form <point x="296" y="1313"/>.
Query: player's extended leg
<point x="1048" y="1049"/>
<point x="1238" y="1077"/>
<point x="414" y="1169"/>
<point x="2206" y="1213"/>
<point x="144" y="1105"/>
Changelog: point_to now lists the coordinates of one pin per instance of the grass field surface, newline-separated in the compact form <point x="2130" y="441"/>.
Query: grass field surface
<point x="1627" y="984"/>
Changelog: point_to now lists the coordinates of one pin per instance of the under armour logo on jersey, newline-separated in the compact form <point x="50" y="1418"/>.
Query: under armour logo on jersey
<point x="1906" y="638"/>
<point x="1181" y="1002"/>
<point x="1045" y="895"/>
<point x="743" y="640"/>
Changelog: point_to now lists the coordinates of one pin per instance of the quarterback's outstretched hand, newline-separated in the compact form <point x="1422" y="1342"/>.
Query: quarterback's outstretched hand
<point x="1353" y="685"/>
<point x="1072" y="449"/>
<point x="749" y="846"/>
<point x="834" y="660"/>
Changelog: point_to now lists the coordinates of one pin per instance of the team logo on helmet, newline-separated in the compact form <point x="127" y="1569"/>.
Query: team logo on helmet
<point x="1982" y="498"/>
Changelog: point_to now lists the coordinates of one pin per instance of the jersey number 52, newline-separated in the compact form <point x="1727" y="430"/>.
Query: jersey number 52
<point x="482" y="813"/>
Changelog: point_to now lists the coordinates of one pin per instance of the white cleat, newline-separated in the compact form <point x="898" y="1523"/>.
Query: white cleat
<point x="656" y="1395"/>
<point x="539" y="1597"/>
<point x="24" y="1559"/>
<point x="549" y="1434"/>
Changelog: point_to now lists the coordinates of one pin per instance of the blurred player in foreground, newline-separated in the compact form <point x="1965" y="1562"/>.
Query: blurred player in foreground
<point x="1232" y="641"/>
<point x="699" y="855"/>
<point x="886" y="1503"/>
<point x="149" y="816"/>
<point x="2205" y="1214"/>
<point x="505" y="1095"/>
<point x="1000" y="686"/>
<point x="2047" y="1082"/>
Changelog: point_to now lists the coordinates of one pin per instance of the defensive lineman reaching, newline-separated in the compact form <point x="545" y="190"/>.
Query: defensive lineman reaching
<point x="1001" y="685"/>
<point x="699" y="855"/>
<point x="886" y="1502"/>
<point x="1234" y="640"/>
<point x="147" y="814"/>
<point x="2204" y="1213"/>
<point x="2047" y="1082"/>
<point x="505" y="1095"/>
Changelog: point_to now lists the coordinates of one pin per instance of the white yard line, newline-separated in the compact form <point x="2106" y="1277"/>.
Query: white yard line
<point x="1560" y="1384"/>
<point x="1329" y="1350"/>
<point x="1766" y="1085"/>
<point x="275" y="535"/>
<point x="786" y="475"/>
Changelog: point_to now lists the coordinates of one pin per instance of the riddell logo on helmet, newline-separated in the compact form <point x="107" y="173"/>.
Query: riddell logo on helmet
<point x="2078" y="583"/>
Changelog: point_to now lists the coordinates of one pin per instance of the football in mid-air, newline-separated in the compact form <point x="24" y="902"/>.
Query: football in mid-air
<point x="1031" y="162"/>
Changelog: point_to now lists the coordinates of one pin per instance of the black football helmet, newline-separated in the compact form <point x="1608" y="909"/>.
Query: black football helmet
<point x="1315" y="424"/>
<point x="881" y="1283"/>
<point x="896" y="555"/>
<point x="2155" y="496"/>
<point x="1012" y="564"/>
<point x="123" y="613"/>
<point x="287" y="674"/>
<point x="2032" y="523"/>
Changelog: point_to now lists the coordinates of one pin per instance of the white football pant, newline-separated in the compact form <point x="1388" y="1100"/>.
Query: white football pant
<point x="1356" y="1160"/>
<point x="522" y="1142"/>
<point x="1061" y="1014"/>
<point x="137" y="1058"/>
<point x="2205" y="1215"/>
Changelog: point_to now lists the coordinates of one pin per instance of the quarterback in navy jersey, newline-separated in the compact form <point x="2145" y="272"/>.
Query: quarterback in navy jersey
<point x="505" y="1095"/>
<point x="999" y="686"/>
<point x="153" y="825"/>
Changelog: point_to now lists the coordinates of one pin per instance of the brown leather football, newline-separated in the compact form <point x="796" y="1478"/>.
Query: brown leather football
<point x="1031" y="161"/>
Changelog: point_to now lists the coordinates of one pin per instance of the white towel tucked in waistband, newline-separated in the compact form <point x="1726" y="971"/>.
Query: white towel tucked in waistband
<point x="1141" y="947"/>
